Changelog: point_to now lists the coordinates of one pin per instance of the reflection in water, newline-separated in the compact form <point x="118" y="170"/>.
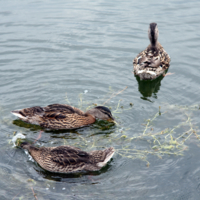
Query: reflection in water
<point x="98" y="127"/>
<point x="21" y="123"/>
<point x="147" y="87"/>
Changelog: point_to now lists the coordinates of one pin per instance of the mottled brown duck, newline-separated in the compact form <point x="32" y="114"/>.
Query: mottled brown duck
<point x="61" y="116"/>
<point x="154" y="60"/>
<point x="66" y="159"/>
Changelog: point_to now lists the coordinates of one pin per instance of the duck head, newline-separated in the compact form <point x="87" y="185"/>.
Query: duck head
<point x="25" y="145"/>
<point x="101" y="112"/>
<point x="153" y="33"/>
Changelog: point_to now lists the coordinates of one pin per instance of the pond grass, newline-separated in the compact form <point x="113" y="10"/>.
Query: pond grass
<point x="169" y="141"/>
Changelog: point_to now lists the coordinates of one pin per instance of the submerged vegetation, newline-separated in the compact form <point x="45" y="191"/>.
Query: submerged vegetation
<point x="168" y="141"/>
<point x="156" y="136"/>
<point x="167" y="132"/>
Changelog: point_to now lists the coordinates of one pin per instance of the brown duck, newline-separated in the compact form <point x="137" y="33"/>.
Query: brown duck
<point x="66" y="159"/>
<point x="154" y="60"/>
<point x="61" y="116"/>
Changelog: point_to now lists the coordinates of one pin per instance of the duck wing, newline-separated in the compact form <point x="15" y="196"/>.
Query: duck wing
<point x="56" y="112"/>
<point x="55" y="116"/>
<point x="147" y="58"/>
<point x="151" y="63"/>
<point x="60" y="116"/>
<point x="63" y="108"/>
<point x="154" y="62"/>
<point x="152" y="58"/>
<point x="164" y="59"/>
<point x="59" y="108"/>
<point x="65" y="159"/>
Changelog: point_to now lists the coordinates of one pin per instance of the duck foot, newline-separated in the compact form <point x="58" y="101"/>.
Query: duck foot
<point x="168" y="74"/>
<point x="39" y="136"/>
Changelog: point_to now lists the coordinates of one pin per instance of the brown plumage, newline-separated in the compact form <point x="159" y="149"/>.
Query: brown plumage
<point x="61" y="116"/>
<point x="154" y="60"/>
<point x="66" y="159"/>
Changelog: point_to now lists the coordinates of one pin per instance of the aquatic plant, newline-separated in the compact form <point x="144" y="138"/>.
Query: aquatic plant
<point x="168" y="141"/>
<point x="157" y="137"/>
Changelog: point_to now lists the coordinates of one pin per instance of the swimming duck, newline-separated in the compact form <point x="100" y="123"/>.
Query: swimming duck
<point x="66" y="159"/>
<point x="154" y="60"/>
<point x="61" y="116"/>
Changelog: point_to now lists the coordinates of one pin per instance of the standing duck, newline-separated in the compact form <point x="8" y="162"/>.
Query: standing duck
<point x="66" y="159"/>
<point x="154" y="60"/>
<point x="61" y="116"/>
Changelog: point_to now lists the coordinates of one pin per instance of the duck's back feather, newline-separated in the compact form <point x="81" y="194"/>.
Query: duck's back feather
<point x="62" y="159"/>
<point x="55" y="116"/>
<point x="65" y="159"/>
<point x="151" y="63"/>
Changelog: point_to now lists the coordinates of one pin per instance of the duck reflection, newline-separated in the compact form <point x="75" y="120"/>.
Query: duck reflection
<point x="32" y="127"/>
<point x="149" y="88"/>
<point x="99" y="127"/>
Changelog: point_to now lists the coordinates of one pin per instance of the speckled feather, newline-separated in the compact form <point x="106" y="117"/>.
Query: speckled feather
<point x="147" y="54"/>
<point x="66" y="159"/>
<point x="152" y="62"/>
<point x="60" y="116"/>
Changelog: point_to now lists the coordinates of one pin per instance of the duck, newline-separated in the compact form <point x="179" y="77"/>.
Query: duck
<point x="68" y="159"/>
<point x="62" y="116"/>
<point x="154" y="60"/>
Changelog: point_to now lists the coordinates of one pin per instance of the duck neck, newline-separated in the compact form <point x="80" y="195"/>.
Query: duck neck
<point x="91" y="112"/>
<point x="153" y="36"/>
<point x="90" y="115"/>
<point x="153" y="41"/>
<point x="153" y="48"/>
<point x="89" y="119"/>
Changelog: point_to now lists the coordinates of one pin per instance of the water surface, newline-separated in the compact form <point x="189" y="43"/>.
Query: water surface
<point x="61" y="52"/>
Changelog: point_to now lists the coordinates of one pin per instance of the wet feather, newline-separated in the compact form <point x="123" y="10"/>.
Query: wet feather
<point x="154" y="60"/>
<point x="61" y="116"/>
<point x="66" y="159"/>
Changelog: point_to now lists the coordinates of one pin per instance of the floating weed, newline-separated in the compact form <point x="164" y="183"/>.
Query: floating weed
<point x="67" y="100"/>
<point x="30" y="180"/>
<point x="169" y="141"/>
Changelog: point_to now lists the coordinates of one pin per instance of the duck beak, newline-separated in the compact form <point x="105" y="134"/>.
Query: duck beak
<point x="111" y="119"/>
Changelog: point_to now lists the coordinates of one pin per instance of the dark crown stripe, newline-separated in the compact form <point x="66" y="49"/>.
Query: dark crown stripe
<point x="105" y="109"/>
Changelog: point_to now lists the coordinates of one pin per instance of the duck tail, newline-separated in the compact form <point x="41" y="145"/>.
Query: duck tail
<point x="19" y="114"/>
<point x="102" y="157"/>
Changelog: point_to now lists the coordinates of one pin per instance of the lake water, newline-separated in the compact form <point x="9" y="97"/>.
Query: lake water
<point x="80" y="53"/>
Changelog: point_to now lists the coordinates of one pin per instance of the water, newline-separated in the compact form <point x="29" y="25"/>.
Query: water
<point x="52" y="50"/>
